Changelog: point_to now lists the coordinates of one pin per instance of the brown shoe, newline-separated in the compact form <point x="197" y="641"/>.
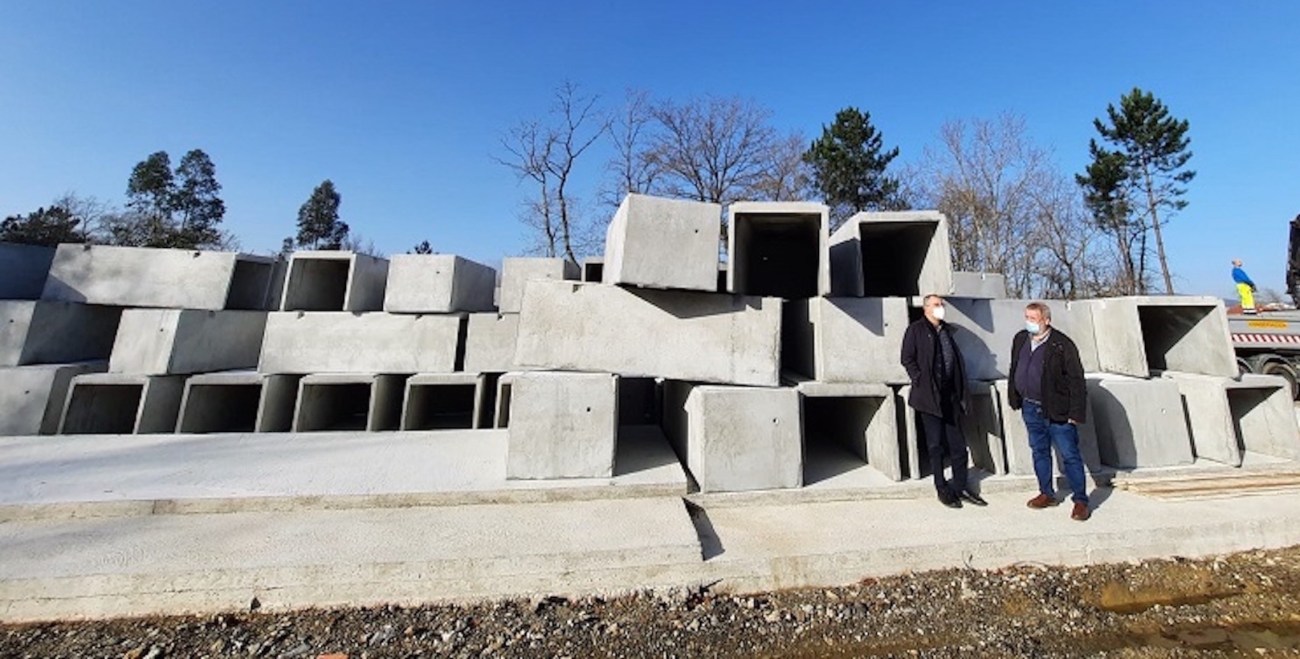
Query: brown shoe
<point x="1042" y="501"/>
<point x="1080" y="512"/>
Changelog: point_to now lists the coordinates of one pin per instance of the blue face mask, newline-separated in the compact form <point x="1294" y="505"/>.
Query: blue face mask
<point x="1033" y="328"/>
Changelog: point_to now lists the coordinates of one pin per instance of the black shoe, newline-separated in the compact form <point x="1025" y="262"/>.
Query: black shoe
<point x="971" y="497"/>
<point x="947" y="499"/>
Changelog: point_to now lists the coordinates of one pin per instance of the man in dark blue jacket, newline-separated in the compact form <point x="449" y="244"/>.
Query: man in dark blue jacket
<point x="1046" y="384"/>
<point x="938" y="375"/>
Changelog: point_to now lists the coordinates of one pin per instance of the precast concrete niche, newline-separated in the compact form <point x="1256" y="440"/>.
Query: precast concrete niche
<point x="1231" y="419"/>
<point x="238" y="401"/>
<point x="23" y="269"/>
<point x="778" y="249"/>
<point x="44" y="332"/>
<point x="147" y="277"/>
<point x="32" y="397"/>
<point x="653" y="242"/>
<point x="593" y="270"/>
<point x="1139" y="335"/>
<point x="892" y="255"/>
<point x="847" y="427"/>
<point x="349" y="402"/>
<point x="562" y="425"/>
<point x="334" y="281"/>
<point x="442" y="401"/>
<point x="111" y="403"/>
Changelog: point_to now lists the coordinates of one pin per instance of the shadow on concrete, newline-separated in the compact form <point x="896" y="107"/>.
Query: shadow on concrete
<point x="710" y="543"/>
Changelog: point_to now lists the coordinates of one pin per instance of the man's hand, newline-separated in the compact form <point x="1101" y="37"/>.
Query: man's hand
<point x="1073" y="422"/>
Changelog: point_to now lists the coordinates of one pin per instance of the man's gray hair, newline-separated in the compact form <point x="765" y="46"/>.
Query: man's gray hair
<point x="1041" y="308"/>
<point x="929" y="296"/>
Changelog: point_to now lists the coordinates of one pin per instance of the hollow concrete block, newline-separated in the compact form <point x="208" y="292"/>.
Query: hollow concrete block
<point x="23" y="269"/>
<point x="562" y="425"/>
<point x="982" y="427"/>
<point x="442" y="401"/>
<point x="893" y="254"/>
<point x="490" y="342"/>
<point x="739" y="438"/>
<point x="178" y="341"/>
<point x="152" y="277"/>
<point x="326" y="280"/>
<point x="438" y="283"/>
<point x="1175" y="333"/>
<point x="1140" y="423"/>
<point x="118" y="403"/>
<point x="845" y="339"/>
<point x="42" y="332"/>
<point x="1228" y="417"/>
<point x="860" y="417"/>
<point x="349" y="402"/>
<point x="517" y="272"/>
<point x="32" y="397"/>
<point x="654" y="242"/>
<point x="979" y="285"/>
<point x="984" y="329"/>
<point x="1015" y="437"/>
<point x="681" y="335"/>
<point x="778" y="249"/>
<point x="593" y="270"/>
<point x="325" y="342"/>
<point x="238" y="401"/>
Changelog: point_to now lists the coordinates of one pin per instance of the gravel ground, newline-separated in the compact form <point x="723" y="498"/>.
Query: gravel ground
<point x="1240" y="605"/>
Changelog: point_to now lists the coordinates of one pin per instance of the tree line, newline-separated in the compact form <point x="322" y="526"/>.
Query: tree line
<point x="1011" y="208"/>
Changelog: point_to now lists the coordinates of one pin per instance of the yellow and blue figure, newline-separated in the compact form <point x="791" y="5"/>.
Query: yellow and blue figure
<point x="1245" y="287"/>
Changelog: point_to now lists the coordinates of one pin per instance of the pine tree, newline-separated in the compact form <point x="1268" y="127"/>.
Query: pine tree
<point x="849" y="162"/>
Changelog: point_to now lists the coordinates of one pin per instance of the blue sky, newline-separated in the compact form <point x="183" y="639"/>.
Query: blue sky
<point x="402" y="104"/>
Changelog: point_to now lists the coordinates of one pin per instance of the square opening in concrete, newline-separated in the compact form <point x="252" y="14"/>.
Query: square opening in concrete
<point x="220" y="408"/>
<point x="1242" y="403"/>
<point x="777" y="255"/>
<point x="502" y="417"/>
<point x="593" y="271"/>
<point x="96" y="409"/>
<point x="893" y="256"/>
<point x="317" y="285"/>
<point x="639" y="401"/>
<point x="834" y="435"/>
<point x="334" y="406"/>
<point x="440" y="407"/>
<point x="1164" y="328"/>
<point x="248" y="285"/>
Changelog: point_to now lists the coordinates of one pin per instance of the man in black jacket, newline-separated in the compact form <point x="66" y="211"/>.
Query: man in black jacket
<point x="1046" y="384"/>
<point x="938" y="375"/>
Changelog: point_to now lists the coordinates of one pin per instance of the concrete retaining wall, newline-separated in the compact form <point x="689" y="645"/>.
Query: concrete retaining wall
<point x="562" y="425"/>
<point x="32" y="397"/>
<point x="663" y="243"/>
<point x="39" y="332"/>
<point x="177" y="342"/>
<point x="845" y="339"/>
<point x="778" y="249"/>
<point x="360" y="343"/>
<point x="23" y="269"/>
<point x="437" y="283"/>
<point x="115" y="403"/>
<point x="517" y="272"/>
<point x="166" y="278"/>
<point x="891" y="255"/>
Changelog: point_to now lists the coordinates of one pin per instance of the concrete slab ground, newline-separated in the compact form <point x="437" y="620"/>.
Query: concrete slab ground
<point x="1227" y="418"/>
<point x="986" y="285"/>
<point x="116" y="403"/>
<point x="180" y="342"/>
<point x="238" y="401"/>
<point x="891" y="255"/>
<point x="682" y="335"/>
<point x="39" y="332"/>
<point x="438" y="283"/>
<point x="517" y="272"/>
<point x="562" y="425"/>
<point x="986" y="328"/>
<point x="654" y="242"/>
<point x="778" y="249"/>
<point x="32" y="397"/>
<point x="334" y="281"/>
<point x="349" y="401"/>
<point x="1176" y="333"/>
<point x="1140" y="423"/>
<point x="490" y="342"/>
<point x="845" y="339"/>
<point x="147" y="277"/>
<point x="23" y="269"/>
<point x="324" y="342"/>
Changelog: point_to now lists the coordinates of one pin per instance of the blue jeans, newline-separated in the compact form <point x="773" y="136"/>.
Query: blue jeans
<point x="1043" y="434"/>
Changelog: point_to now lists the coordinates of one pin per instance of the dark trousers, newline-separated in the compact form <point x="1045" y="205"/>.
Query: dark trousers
<point x="944" y="439"/>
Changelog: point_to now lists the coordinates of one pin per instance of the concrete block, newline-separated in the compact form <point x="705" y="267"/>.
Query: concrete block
<point x="982" y="426"/>
<point x="562" y="425"/>
<point x="238" y="401"/>
<point x="778" y="249"/>
<point x="517" y="272"/>
<point x="895" y="254"/>
<point x="442" y="401"/>
<point x="1227" y="417"/>
<point x="501" y="416"/>
<point x="490" y="342"/>
<point x="325" y="342"/>
<point x="1015" y="437"/>
<point x="165" y="278"/>
<point x="1140" y="423"/>
<point x="334" y="281"/>
<point x="859" y="418"/>
<point x="118" y="404"/>
<point x="178" y="342"/>
<point x="437" y="283"/>
<point x="739" y="438"/>
<point x="681" y="335"/>
<point x="1176" y="333"/>
<point x="39" y="332"/>
<point x="845" y="339"/>
<point x="32" y="397"/>
<point x="985" y="285"/>
<point x="663" y="243"/>
<point x="984" y="330"/>
<point x="593" y="270"/>
<point x="23" y="269"/>
<point x="349" y="401"/>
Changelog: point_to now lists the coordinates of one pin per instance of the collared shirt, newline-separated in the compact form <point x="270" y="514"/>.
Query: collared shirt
<point x="947" y="354"/>
<point x="1029" y="369"/>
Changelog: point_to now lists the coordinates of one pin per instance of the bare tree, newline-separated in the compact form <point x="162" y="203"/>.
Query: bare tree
<point x="711" y="149"/>
<point x="546" y="153"/>
<point x="630" y="169"/>
<point x="1070" y="261"/>
<point x="786" y="176"/>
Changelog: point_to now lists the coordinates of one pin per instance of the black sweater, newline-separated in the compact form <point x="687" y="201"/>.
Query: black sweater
<point x="1064" y="392"/>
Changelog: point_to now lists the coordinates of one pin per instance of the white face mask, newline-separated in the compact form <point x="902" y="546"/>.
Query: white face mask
<point x="938" y="313"/>
<point x="1033" y="328"/>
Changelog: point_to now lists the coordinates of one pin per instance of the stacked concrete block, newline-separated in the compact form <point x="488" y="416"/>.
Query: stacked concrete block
<point x="43" y="332"/>
<point x="490" y="342"/>
<point x="517" y="272"/>
<point x="117" y="403"/>
<point x="671" y="334"/>
<point x="23" y="269"/>
<point x="1140" y="423"/>
<point x="178" y="341"/>
<point x="845" y="339"/>
<point x="663" y="243"/>
<point x="778" y="249"/>
<point x="1148" y="334"/>
<point x="32" y="397"/>
<point x="1228" y="418"/>
<point x="164" y="278"/>
<point x="562" y="425"/>
<point x="980" y="285"/>
<point x="984" y="330"/>
<point x="349" y="402"/>
<point x="736" y="438"/>
<point x="435" y="283"/>
<point x="891" y="255"/>
<point x="303" y="343"/>
<point x="441" y="401"/>
<point x="860" y="418"/>
<point x="334" y="281"/>
<point x="1015" y="437"/>
<point x="238" y="401"/>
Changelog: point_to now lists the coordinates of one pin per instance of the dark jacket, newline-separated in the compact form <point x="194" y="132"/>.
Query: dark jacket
<point x="921" y="361"/>
<point x="1065" y="394"/>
